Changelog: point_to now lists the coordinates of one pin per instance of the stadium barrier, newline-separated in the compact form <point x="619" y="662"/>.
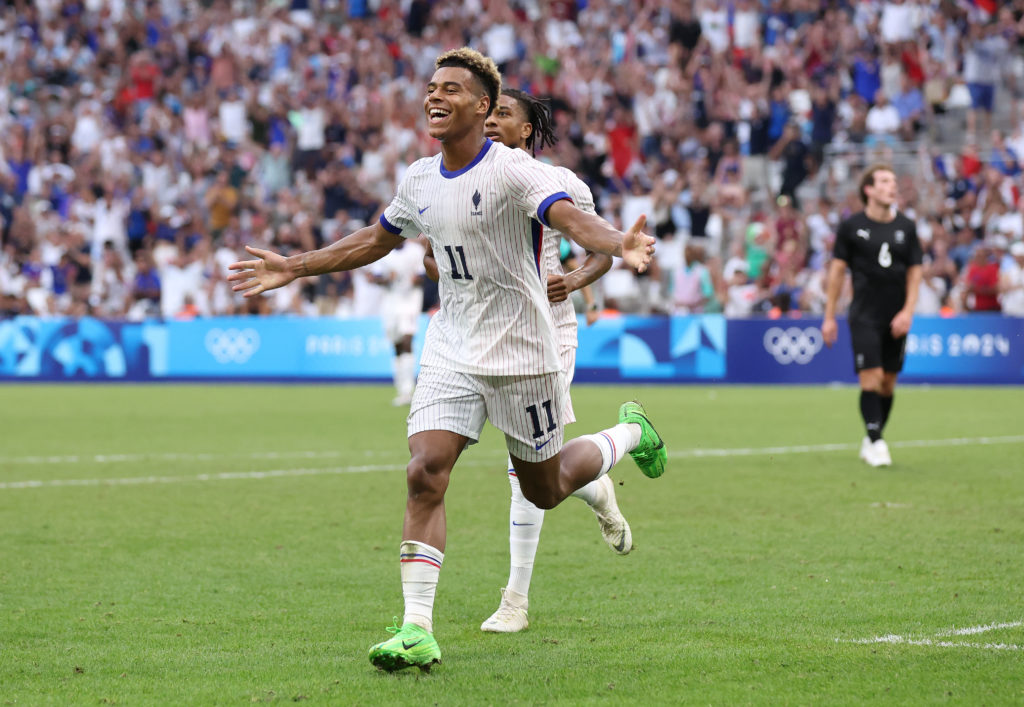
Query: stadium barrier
<point x="617" y="349"/>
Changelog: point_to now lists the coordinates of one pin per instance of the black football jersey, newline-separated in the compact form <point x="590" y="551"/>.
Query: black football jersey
<point x="878" y="255"/>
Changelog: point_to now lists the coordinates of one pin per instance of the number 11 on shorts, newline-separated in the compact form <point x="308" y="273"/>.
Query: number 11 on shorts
<point x="535" y="416"/>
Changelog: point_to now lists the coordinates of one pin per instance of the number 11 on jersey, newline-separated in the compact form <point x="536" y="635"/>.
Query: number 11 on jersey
<point x="456" y="275"/>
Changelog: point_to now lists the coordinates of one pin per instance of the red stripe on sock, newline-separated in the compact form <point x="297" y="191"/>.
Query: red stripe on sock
<point x="611" y="441"/>
<point x="429" y="562"/>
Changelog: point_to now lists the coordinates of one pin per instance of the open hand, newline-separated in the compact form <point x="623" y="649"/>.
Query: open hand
<point x="253" y="277"/>
<point x="637" y="246"/>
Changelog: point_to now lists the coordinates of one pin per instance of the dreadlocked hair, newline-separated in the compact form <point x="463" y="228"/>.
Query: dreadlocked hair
<point x="538" y="114"/>
<point x="483" y="67"/>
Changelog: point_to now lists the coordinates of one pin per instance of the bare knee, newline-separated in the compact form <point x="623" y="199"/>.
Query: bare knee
<point x="871" y="380"/>
<point x="888" y="385"/>
<point x="427" y="478"/>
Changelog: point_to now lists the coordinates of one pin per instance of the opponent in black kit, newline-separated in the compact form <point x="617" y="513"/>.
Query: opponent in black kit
<point x="880" y="247"/>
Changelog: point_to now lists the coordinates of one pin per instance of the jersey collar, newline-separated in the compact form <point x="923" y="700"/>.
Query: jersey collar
<point x="479" y="156"/>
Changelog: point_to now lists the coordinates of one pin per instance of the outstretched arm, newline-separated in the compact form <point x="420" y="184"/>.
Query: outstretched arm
<point x="597" y="235"/>
<point x="271" y="270"/>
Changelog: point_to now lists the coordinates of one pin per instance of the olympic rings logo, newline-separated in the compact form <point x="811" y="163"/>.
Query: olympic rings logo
<point x="793" y="345"/>
<point x="232" y="345"/>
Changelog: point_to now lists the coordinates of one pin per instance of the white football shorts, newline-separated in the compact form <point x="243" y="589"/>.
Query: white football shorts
<point x="401" y="317"/>
<point x="529" y="410"/>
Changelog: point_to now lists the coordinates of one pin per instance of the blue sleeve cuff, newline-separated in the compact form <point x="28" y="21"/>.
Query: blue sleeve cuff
<point x="542" y="210"/>
<point x="389" y="227"/>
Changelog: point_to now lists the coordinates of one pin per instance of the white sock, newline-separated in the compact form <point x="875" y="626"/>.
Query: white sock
<point x="405" y="374"/>
<point x="420" y="565"/>
<point x="524" y="524"/>
<point x="592" y="494"/>
<point x="615" y="443"/>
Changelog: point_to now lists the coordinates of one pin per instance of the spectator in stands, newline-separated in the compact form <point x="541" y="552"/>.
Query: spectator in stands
<point x="145" y="291"/>
<point x="909" y="104"/>
<point x="983" y="57"/>
<point x="221" y="201"/>
<point x="883" y="121"/>
<point x="692" y="286"/>
<point x="980" y="281"/>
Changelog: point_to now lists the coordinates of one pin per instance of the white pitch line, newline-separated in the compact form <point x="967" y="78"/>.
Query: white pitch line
<point x="332" y="454"/>
<point x="329" y="454"/>
<point x="173" y="456"/>
<point x="223" y="476"/>
<point x="972" y="630"/>
<point x="894" y="639"/>
<point x="902" y="640"/>
<point x="839" y="447"/>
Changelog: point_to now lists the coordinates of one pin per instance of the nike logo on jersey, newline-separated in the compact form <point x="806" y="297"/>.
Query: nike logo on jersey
<point x="423" y="209"/>
<point x="862" y="232"/>
<point x="515" y="523"/>
<point x="541" y="446"/>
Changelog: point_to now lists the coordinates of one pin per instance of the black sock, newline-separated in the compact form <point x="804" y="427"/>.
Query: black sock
<point x="871" y="411"/>
<point x="886" y="408"/>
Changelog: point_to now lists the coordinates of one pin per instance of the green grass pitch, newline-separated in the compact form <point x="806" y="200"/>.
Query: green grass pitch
<point x="238" y="544"/>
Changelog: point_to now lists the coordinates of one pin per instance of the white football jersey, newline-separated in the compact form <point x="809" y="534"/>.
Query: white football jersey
<point x="483" y="224"/>
<point x="564" y="313"/>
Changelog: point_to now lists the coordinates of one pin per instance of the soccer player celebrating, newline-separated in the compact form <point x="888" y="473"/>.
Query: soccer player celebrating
<point x="880" y="247"/>
<point x="521" y="121"/>
<point x="490" y="352"/>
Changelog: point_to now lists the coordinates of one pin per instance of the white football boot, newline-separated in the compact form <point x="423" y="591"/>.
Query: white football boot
<point x="878" y="454"/>
<point x="865" y="449"/>
<point x="614" y="528"/>
<point x="510" y="616"/>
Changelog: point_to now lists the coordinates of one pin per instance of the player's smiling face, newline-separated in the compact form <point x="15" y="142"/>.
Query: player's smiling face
<point x="507" y="123"/>
<point x="454" y="103"/>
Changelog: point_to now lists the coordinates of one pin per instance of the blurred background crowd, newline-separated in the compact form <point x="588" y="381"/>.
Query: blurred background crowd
<point x="144" y="143"/>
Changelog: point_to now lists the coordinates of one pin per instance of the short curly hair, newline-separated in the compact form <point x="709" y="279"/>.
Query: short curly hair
<point x="483" y="67"/>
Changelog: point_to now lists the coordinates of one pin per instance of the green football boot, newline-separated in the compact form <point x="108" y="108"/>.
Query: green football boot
<point x="411" y="645"/>
<point x="650" y="455"/>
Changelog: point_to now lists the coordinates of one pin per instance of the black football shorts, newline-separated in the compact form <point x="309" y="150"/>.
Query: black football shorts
<point x="874" y="346"/>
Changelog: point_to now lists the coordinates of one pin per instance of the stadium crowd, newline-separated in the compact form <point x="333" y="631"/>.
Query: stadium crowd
<point x="144" y="143"/>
